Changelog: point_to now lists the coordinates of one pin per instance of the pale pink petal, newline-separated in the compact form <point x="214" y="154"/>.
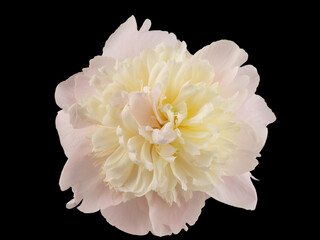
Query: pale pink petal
<point x="166" y="220"/>
<point x="258" y="115"/>
<point x="222" y="55"/>
<point x="98" y="62"/>
<point x="238" y="79"/>
<point x="145" y="26"/>
<point x="64" y="94"/>
<point x="98" y="197"/>
<point x="131" y="216"/>
<point x="83" y="176"/>
<point x="141" y="109"/>
<point x="77" y="118"/>
<point x="248" y="149"/>
<point x="78" y="168"/>
<point x="165" y="135"/>
<point x="71" y="138"/>
<point x="243" y="161"/>
<point x="237" y="191"/>
<point x="82" y="86"/>
<point x="128" y="42"/>
<point x="254" y="78"/>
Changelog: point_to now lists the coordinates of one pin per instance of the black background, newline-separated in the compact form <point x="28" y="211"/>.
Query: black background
<point x="52" y="42"/>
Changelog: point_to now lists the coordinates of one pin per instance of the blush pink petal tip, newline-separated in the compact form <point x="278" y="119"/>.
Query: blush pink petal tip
<point x="137" y="120"/>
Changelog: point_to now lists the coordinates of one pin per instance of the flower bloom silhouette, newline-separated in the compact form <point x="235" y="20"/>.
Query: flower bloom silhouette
<point x="152" y="131"/>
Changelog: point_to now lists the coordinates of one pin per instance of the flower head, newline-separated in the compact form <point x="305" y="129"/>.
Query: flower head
<point x="151" y="131"/>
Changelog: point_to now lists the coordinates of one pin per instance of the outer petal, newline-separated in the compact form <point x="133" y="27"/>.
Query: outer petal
<point x="237" y="191"/>
<point x="82" y="175"/>
<point x="70" y="138"/>
<point x="258" y="115"/>
<point x="131" y="216"/>
<point x="249" y="147"/>
<point x="127" y="41"/>
<point x="222" y="55"/>
<point x="64" y="93"/>
<point x="166" y="220"/>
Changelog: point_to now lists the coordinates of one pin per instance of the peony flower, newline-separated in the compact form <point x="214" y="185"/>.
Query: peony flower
<point x="152" y="131"/>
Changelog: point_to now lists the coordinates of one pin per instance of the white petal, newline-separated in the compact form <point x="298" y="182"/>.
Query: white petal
<point x="128" y="121"/>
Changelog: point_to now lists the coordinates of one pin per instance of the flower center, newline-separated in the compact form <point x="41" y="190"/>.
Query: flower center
<point x="162" y="124"/>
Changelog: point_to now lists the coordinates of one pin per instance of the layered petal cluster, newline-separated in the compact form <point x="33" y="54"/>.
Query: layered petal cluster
<point x="151" y="131"/>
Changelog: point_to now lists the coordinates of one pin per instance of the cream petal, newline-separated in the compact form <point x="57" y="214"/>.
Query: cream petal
<point x="237" y="191"/>
<point x="128" y="121"/>
<point x="104" y="139"/>
<point x="64" y="94"/>
<point x="258" y="115"/>
<point x="222" y="55"/>
<point x="131" y="216"/>
<point x="155" y="98"/>
<point x="145" y="155"/>
<point x="166" y="219"/>
<point x="141" y="109"/>
<point x="128" y="42"/>
<point x="134" y="146"/>
<point x="140" y="181"/>
<point x="146" y="132"/>
<point x="119" y="99"/>
<point x="205" y="112"/>
<point x="71" y="138"/>
<point x="117" y="168"/>
<point x="186" y="91"/>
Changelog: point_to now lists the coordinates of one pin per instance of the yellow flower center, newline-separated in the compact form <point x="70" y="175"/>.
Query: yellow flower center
<point x="162" y="124"/>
